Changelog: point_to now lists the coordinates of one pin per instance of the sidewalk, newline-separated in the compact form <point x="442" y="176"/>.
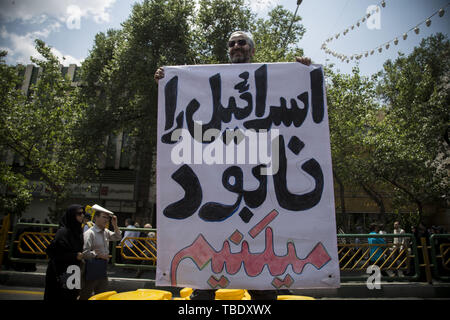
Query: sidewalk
<point x="122" y="279"/>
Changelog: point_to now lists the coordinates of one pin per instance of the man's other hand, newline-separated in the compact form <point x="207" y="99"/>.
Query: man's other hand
<point x="159" y="74"/>
<point x="305" y="60"/>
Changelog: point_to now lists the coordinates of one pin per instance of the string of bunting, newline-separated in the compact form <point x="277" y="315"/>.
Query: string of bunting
<point x="357" y="24"/>
<point x="386" y="44"/>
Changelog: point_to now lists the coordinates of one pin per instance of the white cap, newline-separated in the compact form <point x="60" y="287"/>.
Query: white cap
<point x="96" y="207"/>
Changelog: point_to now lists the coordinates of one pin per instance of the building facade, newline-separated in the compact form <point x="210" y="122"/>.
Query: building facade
<point x="116" y="186"/>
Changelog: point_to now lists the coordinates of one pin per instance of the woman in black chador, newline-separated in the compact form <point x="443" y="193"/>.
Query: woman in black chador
<point x="65" y="250"/>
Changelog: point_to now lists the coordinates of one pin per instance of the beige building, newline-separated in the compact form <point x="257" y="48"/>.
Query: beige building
<point x="116" y="187"/>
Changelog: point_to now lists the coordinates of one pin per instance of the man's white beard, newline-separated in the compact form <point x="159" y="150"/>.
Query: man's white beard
<point x="242" y="58"/>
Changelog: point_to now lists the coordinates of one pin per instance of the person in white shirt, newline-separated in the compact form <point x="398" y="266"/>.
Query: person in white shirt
<point x="130" y="234"/>
<point x="382" y="231"/>
<point x="87" y="223"/>
<point x="96" y="247"/>
<point x="399" y="244"/>
<point x="128" y="243"/>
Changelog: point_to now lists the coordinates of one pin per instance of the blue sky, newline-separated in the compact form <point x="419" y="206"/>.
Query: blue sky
<point x="69" y="27"/>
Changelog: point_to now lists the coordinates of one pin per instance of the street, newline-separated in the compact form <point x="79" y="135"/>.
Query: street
<point x="21" y="293"/>
<point x="34" y="293"/>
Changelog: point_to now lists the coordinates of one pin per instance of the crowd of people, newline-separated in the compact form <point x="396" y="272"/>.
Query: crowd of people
<point x="393" y="253"/>
<point x="84" y="242"/>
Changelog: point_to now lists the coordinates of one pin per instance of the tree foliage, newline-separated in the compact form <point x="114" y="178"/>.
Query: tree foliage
<point x="411" y="141"/>
<point x="214" y="22"/>
<point x="389" y="134"/>
<point x="39" y="128"/>
<point x="353" y="109"/>
<point x="272" y="40"/>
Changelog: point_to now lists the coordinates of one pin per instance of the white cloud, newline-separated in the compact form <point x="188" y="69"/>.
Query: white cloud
<point x="66" y="59"/>
<point x="22" y="47"/>
<point x="261" y="6"/>
<point x="45" y="17"/>
<point x="37" y="11"/>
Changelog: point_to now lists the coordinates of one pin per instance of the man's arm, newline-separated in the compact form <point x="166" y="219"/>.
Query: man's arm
<point x="117" y="235"/>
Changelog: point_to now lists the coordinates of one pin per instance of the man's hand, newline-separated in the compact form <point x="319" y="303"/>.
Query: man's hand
<point x="103" y="256"/>
<point x="100" y="255"/>
<point x="305" y="60"/>
<point x="159" y="74"/>
<point x="114" y="221"/>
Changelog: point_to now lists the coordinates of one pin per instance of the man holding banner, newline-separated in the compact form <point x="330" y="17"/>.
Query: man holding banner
<point x="248" y="193"/>
<point x="241" y="49"/>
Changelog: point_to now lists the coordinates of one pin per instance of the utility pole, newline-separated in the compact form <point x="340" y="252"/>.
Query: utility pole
<point x="290" y="26"/>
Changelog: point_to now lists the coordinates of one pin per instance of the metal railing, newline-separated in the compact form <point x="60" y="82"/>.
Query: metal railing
<point x="29" y="246"/>
<point x="440" y="255"/>
<point x="405" y="259"/>
<point x="399" y="259"/>
<point x="4" y="232"/>
<point x="135" y="252"/>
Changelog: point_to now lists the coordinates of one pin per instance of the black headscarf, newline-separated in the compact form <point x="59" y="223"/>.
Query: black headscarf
<point x="63" y="252"/>
<point x="69" y="219"/>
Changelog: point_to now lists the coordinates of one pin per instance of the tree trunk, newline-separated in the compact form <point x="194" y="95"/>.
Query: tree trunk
<point x="413" y="198"/>
<point x="375" y="196"/>
<point x="143" y="183"/>
<point x="341" y="193"/>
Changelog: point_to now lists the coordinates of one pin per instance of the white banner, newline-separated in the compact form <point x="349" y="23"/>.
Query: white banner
<point x="244" y="178"/>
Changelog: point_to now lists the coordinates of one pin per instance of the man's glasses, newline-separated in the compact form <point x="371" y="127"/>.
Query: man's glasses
<point x="241" y="42"/>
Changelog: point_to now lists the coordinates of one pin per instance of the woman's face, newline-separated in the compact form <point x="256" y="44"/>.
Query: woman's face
<point x="80" y="216"/>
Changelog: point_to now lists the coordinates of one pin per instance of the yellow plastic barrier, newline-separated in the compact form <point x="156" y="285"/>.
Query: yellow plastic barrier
<point x="186" y="293"/>
<point x="142" y="294"/>
<point x="247" y="295"/>
<point x="153" y="294"/>
<point x="230" y="294"/>
<point x="167" y="294"/>
<point x="292" y="297"/>
<point x="103" y="295"/>
<point x="4" y="236"/>
<point x="221" y="294"/>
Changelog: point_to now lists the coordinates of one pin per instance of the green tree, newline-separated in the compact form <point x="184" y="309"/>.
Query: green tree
<point x="353" y="110"/>
<point x="214" y="23"/>
<point x="217" y="19"/>
<point x="100" y="118"/>
<point x="272" y="40"/>
<point x="117" y="76"/>
<point x="410" y="143"/>
<point x="38" y="127"/>
<point x="14" y="191"/>
<point x="118" y="80"/>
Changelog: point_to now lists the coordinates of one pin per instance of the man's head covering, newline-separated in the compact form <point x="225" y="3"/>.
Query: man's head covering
<point x="69" y="219"/>
<point x="246" y="35"/>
